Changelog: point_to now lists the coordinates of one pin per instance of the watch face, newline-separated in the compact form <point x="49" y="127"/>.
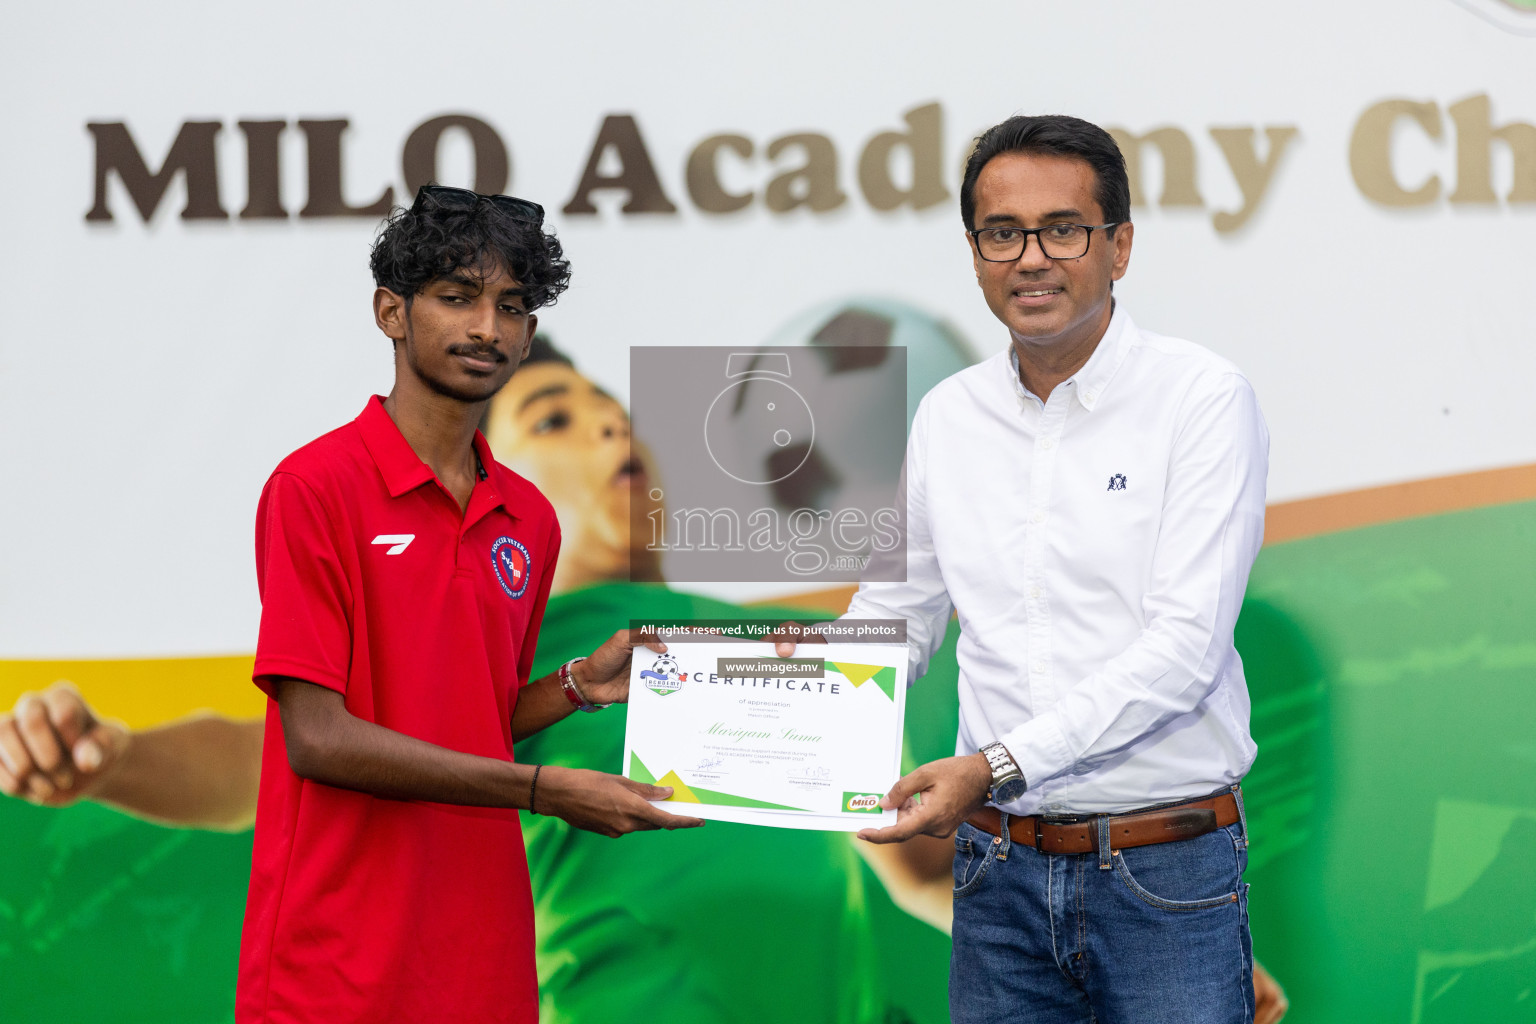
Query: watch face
<point x="1008" y="791"/>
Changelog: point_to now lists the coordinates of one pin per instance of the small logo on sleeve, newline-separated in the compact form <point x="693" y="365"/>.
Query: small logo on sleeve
<point x="1117" y="482"/>
<point x="512" y="565"/>
<point x="400" y="541"/>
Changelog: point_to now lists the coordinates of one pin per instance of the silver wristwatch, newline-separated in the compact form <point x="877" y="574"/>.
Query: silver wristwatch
<point x="1007" y="781"/>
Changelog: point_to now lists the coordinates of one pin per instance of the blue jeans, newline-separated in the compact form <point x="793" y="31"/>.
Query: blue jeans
<point x="1147" y="935"/>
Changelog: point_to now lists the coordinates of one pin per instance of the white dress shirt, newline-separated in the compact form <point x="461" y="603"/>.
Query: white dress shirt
<point x="1096" y="547"/>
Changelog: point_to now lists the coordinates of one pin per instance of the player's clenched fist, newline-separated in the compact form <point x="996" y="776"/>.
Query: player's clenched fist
<point x="53" y="748"/>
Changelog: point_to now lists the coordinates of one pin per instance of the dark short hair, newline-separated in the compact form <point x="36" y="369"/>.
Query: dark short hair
<point x="1059" y="135"/>
<point x="543" y="350"/>
<point x="416" y="246"/>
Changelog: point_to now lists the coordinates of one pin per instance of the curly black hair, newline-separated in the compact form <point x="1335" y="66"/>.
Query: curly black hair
<point x="418" y="245"/>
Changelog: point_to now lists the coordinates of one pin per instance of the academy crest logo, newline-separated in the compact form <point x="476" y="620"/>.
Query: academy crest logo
<point x="1117" y="482"/>
<point x="663" y="677"/>
<point x="513" y="567"/>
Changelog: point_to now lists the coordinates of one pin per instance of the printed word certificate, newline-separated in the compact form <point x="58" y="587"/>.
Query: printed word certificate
<point x="739" y="734"/>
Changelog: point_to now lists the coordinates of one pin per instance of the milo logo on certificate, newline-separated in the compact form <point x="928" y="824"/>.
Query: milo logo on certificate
<point x="862" y="803"/>
<point x="663" y="677"/>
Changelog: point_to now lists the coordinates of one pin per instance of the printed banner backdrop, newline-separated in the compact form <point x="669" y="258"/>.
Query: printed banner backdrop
<point x="1337" y="199"/>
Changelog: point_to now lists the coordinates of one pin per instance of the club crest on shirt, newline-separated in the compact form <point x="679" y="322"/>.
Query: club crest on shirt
<point x="1117" y="482"/>
<point x="512" y="565"/>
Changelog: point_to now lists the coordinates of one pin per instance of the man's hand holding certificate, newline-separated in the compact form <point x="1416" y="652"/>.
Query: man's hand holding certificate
<point x="742" y="735"/>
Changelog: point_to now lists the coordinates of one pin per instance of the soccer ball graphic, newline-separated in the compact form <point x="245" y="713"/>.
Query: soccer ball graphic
<point x="662" y="678"/>
<point x="854" y="387"/>
<point x="759" y="430"/>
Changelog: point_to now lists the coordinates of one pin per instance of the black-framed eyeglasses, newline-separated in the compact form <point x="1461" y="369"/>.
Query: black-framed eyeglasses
<point x="1057" y="241"/>
<point x="450" y="198"/>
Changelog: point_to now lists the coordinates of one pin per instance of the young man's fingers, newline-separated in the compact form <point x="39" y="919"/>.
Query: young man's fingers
<point x="649" y="816"/>
<point x="43" y="744"/>
<point x="67" y="711"/>
<point x="633" y="638"/>
<point x="674" y="821"/>
<point x="99" y="747"/>
<point x="14" y="755"/>
<point x="8" y="784"/>
<point x="646" y="791"/>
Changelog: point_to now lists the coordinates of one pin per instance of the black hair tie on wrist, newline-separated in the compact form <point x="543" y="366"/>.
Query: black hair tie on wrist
<point x="533" y="788"/>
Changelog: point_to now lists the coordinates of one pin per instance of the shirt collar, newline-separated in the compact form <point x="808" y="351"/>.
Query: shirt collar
<point x="1088" y="383"/>
<point x="403" y="470"/>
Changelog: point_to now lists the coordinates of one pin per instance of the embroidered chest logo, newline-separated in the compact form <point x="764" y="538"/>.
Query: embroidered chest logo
<point x="398" y="541"/>
<point x="1117" y="482"/>
<point x="512" y="565"/>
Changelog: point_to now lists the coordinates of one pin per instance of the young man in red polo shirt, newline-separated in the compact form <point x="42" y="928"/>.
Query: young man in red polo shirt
<point x="403" y="576"/>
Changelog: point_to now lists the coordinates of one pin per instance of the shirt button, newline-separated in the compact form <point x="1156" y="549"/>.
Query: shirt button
<point x="1038" y="517"/>
<point x="1034" y="592"/>
<point x="1038" y="666"/>
<point x="1048" y="443"/>
<point x="1091" y="395"/>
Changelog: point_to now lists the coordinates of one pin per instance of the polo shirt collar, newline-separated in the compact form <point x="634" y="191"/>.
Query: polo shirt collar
<point x="403" y="471"/>
<point x="1088" y="383"/>
<point x="400" y="467"/>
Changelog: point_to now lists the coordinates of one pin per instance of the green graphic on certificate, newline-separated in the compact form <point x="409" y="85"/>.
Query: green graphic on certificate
<point x="742" y="735"/>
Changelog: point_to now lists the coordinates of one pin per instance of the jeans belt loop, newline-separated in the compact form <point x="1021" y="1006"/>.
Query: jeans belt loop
<point x="1105" y="852"/>
<point x="1002" y="834"/>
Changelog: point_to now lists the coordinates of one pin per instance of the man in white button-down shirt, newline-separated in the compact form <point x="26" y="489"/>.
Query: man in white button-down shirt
<point x="1089" y="503"/>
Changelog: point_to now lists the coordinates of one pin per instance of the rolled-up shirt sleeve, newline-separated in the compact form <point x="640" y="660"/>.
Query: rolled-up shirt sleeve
<point x="1212" y="525"/>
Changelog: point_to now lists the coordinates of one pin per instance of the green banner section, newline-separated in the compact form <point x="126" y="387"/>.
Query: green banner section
<point x="105" y="918"/>
<point x="1393" y="803"/>
<point x="1392" y="812"/>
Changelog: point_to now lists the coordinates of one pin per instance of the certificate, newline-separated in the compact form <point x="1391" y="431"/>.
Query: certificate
<point x="742" y="735"/>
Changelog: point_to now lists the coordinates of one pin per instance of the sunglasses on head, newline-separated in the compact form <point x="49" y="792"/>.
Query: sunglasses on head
<point x="450" y="198"/>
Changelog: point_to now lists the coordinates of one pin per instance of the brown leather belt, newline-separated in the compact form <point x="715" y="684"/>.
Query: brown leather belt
<point x="1134" y="828"/>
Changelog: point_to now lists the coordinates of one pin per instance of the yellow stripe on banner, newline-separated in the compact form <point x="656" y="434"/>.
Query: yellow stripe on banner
<point x="145" y="691"/>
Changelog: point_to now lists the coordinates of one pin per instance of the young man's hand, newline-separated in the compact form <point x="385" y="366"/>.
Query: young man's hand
<point x="603" y="678"/>
<point x="53" y="748"/>
<point x="606" y="804"/>
<point x="950" y="790"/>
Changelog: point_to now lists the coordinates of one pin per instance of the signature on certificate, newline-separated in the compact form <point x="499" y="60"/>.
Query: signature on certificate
<point x="709" y="764"/>
<point x="810" y="772"/>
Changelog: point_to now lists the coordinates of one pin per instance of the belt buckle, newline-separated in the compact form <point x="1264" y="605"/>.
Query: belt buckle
<point x="1039" y="835"/>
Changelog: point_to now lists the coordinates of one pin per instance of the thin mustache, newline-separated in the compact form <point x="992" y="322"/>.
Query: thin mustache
<point x="474" y="352"/>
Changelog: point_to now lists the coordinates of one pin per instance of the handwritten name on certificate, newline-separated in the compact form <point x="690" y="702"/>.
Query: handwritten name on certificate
<point x="739" y="734"/>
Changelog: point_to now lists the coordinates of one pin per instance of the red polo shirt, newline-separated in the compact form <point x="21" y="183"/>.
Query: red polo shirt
<point x="373" y="584"/>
